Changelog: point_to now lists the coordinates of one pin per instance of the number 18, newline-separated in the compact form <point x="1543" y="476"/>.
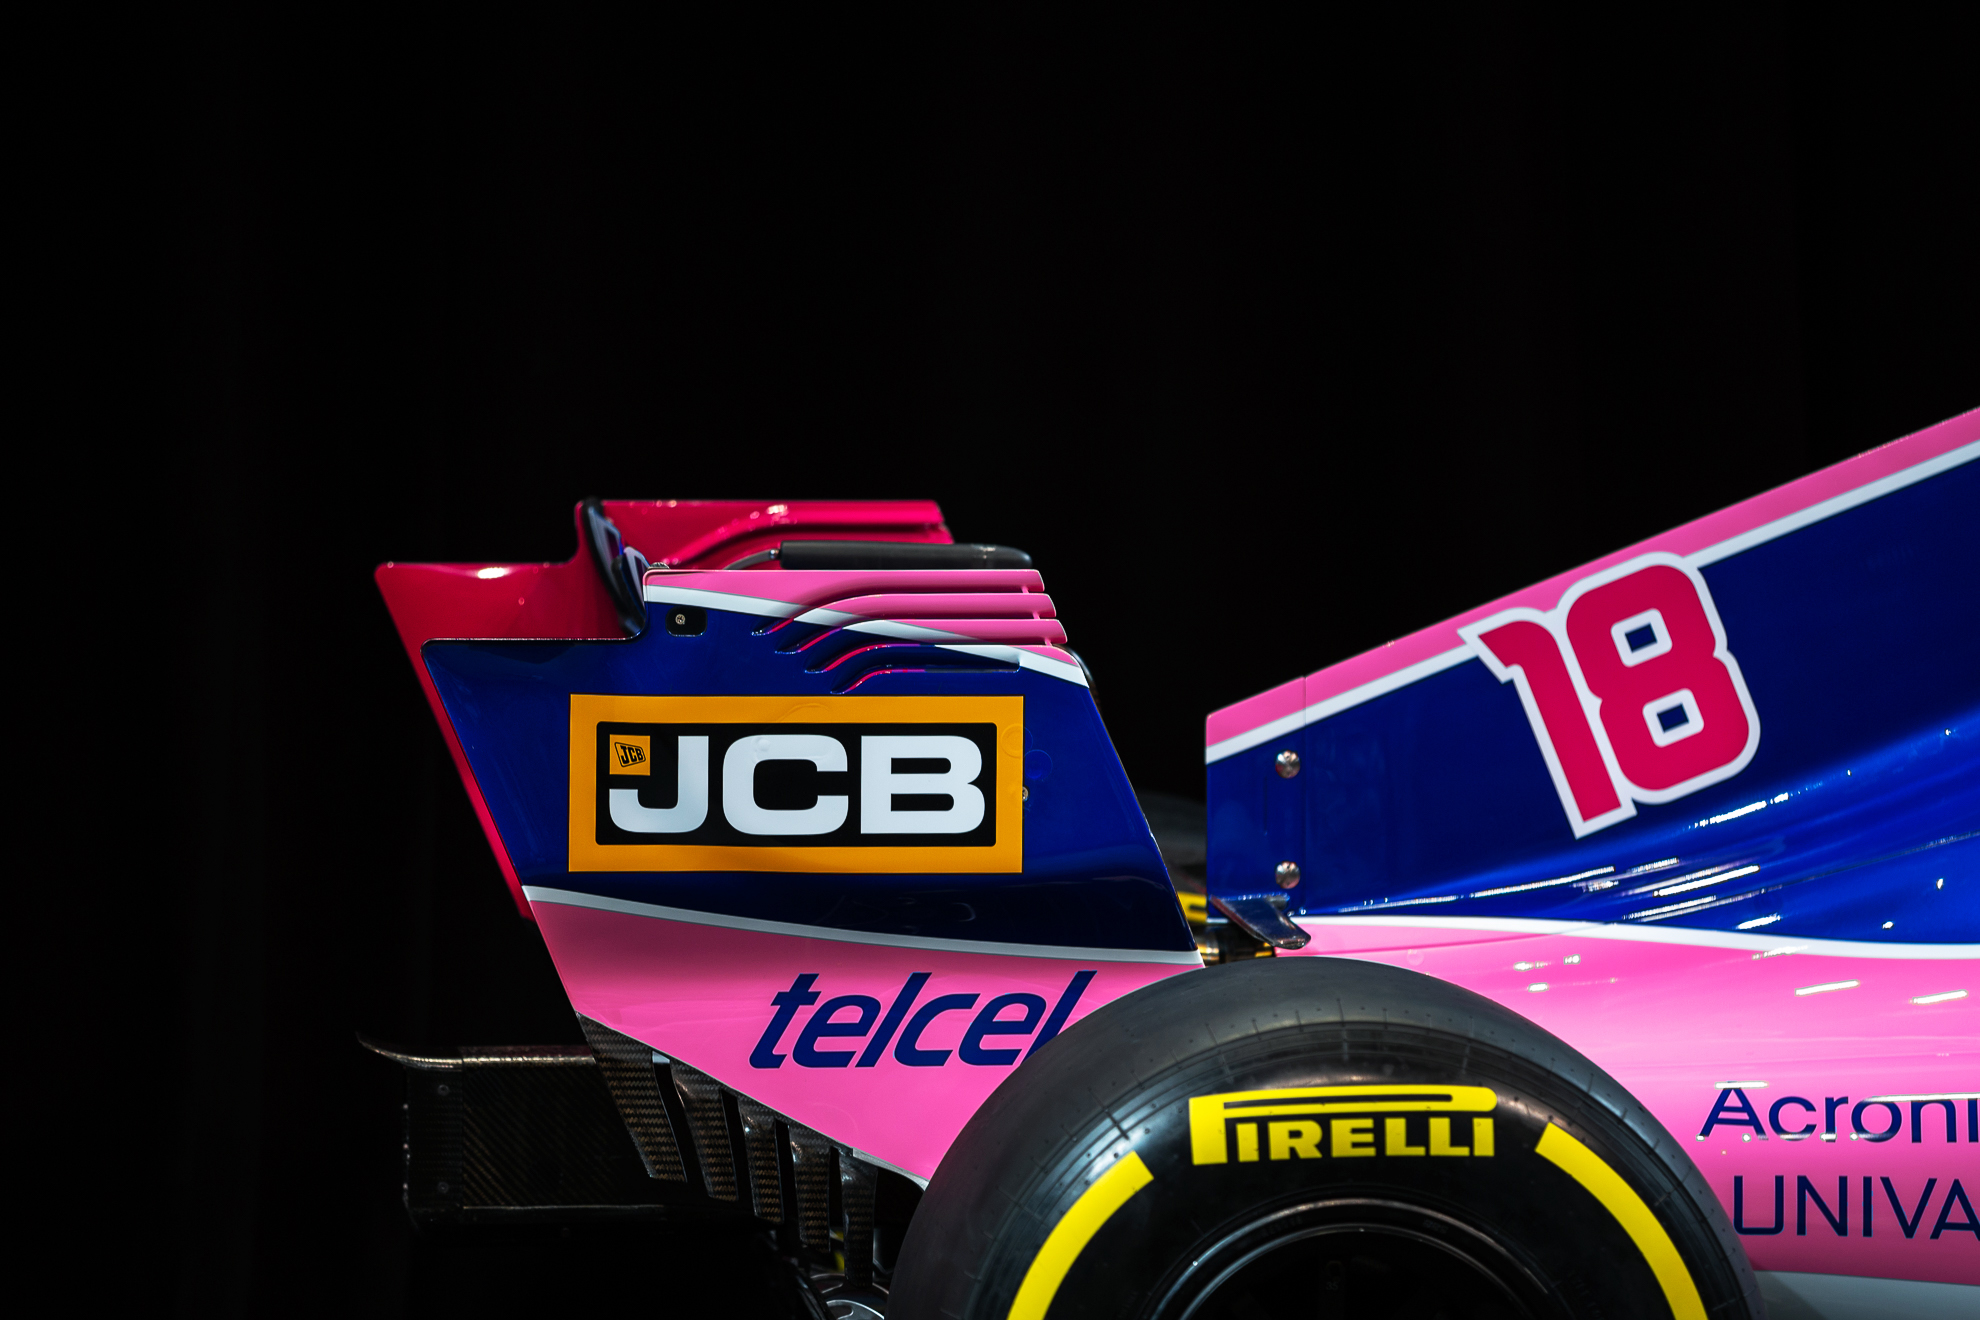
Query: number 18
<point x="1629" y="688"/>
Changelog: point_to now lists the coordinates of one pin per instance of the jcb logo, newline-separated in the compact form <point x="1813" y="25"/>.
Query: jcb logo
<point x="914" y="784"/>
<point x="1311" y="1122"/>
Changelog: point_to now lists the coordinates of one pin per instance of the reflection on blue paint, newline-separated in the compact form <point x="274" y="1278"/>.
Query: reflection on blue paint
<point x="1092" y="876"/>
<point x="1857" y="818"/>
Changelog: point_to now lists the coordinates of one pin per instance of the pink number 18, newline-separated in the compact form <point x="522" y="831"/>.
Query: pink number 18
<point x="1629" y="688"/>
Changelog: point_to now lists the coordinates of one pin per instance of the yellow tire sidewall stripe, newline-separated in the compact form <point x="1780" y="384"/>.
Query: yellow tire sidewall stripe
<point x="1095" y="1206"/>
<point x="1112" y="1190"/>
<point x="1620" y="1200"/>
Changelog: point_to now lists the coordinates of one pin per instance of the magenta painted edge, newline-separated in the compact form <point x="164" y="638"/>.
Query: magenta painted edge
<point x="703" y="994"/>
<point x="1009" y="631"/>
<point x="1690" y="539"/>
<point x="920" y="519"/>
<point x="955" y="604"/>
<point x="1281" y="702"/>
<point x="818" y="587"/>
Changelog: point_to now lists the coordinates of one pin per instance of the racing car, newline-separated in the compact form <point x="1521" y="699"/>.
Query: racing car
<point x="1604" y="951"/>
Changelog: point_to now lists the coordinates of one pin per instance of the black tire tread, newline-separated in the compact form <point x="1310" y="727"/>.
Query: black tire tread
<point x="1135" y="1056"/>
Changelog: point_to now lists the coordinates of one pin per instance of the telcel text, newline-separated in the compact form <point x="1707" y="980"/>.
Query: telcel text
<point x="853" y="1030"/>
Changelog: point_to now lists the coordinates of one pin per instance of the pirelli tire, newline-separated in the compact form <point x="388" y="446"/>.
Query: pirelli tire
<point x="1316" y="1137"/>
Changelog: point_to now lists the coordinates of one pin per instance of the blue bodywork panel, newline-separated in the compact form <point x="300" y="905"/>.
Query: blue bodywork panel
<point x="1856" y="818"/>
<point x="1092" y="876"/>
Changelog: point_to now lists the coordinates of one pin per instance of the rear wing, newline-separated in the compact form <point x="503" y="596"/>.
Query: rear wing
<point x="582" y="599"/>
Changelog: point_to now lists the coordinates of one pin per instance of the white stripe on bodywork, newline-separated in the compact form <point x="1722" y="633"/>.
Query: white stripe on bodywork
<point x="723" y="600"/>
<point x="907" y="632"/>
<point x="1711" y="939"/>
<point x="1250" y="738"/>
<point x="914" y="1178"/>
<point x="1856" y="1297"/>
<point x="1042" y="664"/>
<point x="1335" y="704"/>
<point x="1828" y="508"/>
<point x="598" y="902"/>
<point x="830" y="618"/>
<point x="1403" y="677"/>
<point x="1711" y="554"/>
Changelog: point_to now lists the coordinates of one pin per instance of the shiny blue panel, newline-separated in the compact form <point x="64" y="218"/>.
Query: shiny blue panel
<point x="1092" y="876"/>
<point x="1859" y="637"/>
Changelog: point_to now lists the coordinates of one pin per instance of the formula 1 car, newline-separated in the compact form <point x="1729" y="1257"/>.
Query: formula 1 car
<point x="1604" y="951"/>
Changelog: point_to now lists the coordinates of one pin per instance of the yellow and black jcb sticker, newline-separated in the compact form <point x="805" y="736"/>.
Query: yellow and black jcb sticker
<point x="1341" y="1122"/>
<point x="892" y="784"/>
<point x="629" y="754"/>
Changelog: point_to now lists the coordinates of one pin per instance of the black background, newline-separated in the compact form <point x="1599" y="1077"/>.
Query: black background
<point x="1270" y="341"/>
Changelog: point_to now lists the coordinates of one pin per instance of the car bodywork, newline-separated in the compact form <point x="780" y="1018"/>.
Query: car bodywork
<point x="716" y="946"/>
<point x="1770" y="940"/>
<point x="843" y="845"/>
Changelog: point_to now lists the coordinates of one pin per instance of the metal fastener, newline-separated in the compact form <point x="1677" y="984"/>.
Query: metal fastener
<point x="1287" y="874"/>
<point x="1288" y="764"/>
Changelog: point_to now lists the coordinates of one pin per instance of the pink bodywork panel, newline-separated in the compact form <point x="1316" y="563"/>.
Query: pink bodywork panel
<point x="949" y="605"/>
<point x="1289" y="699"/>
<point x="1010" y="632"/>
<point x="701" y="993"/>
<point x="712" y="533"/>
<point x="1672" y="1014"/>
<point x="815" y="588"/>
<point x="566" y="601"/>
<point x="1670" y="1021"/>
<point x="999" y="606"/>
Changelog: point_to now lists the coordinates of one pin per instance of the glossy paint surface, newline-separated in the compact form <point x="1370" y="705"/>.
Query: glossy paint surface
<point x="567" y="600"/>
<point x="1858" y="636"/>
<point x="975" y="969"/>
<point x="1795" y="933"/>
<point x="716" y="533"/>
<point x="1015" y="591"/>
<point x="1003" y="608"/>
<point x="1794" y="1021"/>
<point x="1091" y="873"/>
<point x="706" y="994"/>
<point x="1730" y="529"/>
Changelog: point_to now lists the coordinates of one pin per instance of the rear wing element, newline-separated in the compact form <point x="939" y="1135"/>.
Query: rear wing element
<point x="848" y="839"/>
<point x="932" y="764"/>
<point x="577" y="600"/>
<point x="1761" y="720"/>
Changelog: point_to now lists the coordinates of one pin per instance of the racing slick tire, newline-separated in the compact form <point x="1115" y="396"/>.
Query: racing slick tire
<point x="1321" y="1137"/>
